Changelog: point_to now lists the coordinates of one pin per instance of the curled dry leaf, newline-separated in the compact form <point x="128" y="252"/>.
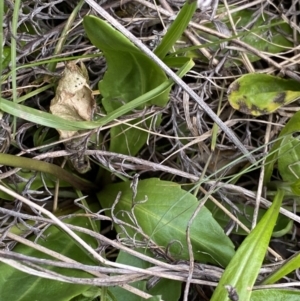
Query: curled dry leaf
<point x="74" y="101"/>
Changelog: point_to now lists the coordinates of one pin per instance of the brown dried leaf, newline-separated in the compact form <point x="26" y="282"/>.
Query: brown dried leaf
<point x="74" y="100"/>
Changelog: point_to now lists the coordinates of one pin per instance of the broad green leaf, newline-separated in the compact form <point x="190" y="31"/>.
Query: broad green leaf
<point x="130" y="74"/>
<point x="268" y="34"/>
<point x="155" y="298"/>
<point x="295" y="187"/>
<point x="293" y="125"/>
<point x="287" y="267"/>
<point x="243" y="269"/>
<point x="124" y="295"/>
<point x="289" y="159"/>
<point x="164" y="216"/>
<point x="275" y="295"/>
<point x="19" y="286"/>
<point x="258" y="94"/>
<point x="83" y="298"/>
<point x="176" y="29"/>
<point x="91" y="295"/>
<point x="134" y="139"/>
<point x="95" y="294"/>
<point x="170" y="290"/>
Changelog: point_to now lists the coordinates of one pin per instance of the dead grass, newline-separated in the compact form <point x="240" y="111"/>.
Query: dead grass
<point x="186" y="146"/>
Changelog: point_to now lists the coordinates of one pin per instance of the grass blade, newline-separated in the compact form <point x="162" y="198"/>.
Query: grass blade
<point x="243" y="269"/>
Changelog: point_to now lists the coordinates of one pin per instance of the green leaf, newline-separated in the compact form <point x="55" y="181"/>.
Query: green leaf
<point x="89" y="295"/>
<point x="259" y="94"/>
<point x="124" y="295"/>
<point x="293" y="125"/>
<point x="287" y="267"/>
<point x="268" y="34"/>
<point x="36" y="184"/>
<point x="295" y="187"/>
<point x="19" y="286"/>
<point x="289" y="159"/>
<point x="170" y="290"/>
<point x="164" y="217"/>
<point x="56" y="171"/>
<point x="37" y="116"/>
<point x="243" y="269"/>
<point x="275" y="294"/>
<point x="130" y="74"/>
<point x="155" y="298"/>
<point x="275" y="25"/>
<point x="6" y="53"/>
<point x="176" y="62"/>
<point x="176" y="29"/>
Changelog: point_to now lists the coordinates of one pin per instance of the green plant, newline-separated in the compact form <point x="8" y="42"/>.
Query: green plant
<point x="155" y="219"/>
<point x="240" y="275"/>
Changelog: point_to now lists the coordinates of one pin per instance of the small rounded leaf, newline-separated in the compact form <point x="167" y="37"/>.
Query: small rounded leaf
<point x="260" y="94"/>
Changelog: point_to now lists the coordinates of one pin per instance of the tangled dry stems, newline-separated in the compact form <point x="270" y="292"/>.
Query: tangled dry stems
<point x="177" y="159"/>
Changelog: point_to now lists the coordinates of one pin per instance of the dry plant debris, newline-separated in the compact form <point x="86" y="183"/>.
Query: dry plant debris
<point x="74" y="101"/>
<point x="180" y="149"/>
